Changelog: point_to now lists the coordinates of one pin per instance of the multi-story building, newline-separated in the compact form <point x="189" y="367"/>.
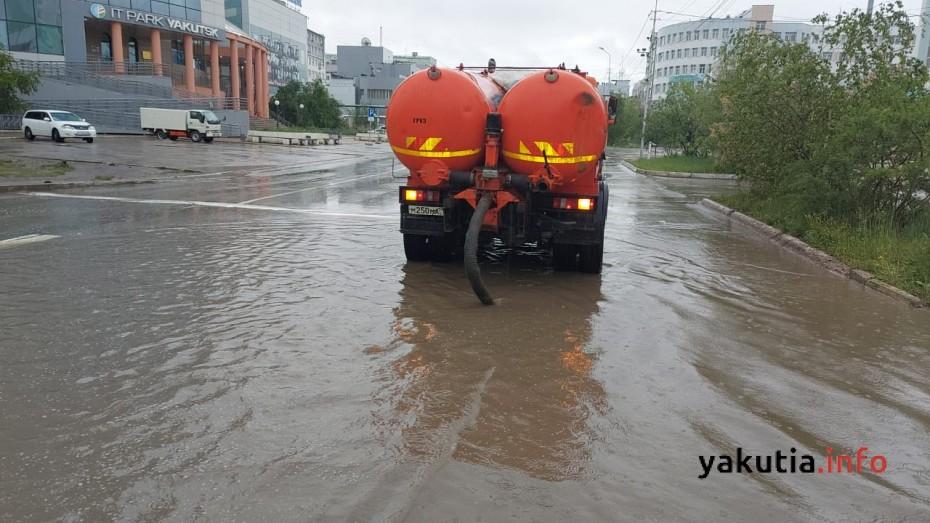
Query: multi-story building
<point x="373" y="69"/>
<point x="416" y="59"/>
<point x="188" y="41"/>
<point x="689" y="51"/>
<point x="280" y="27"/>
<point x="316" y="56"/>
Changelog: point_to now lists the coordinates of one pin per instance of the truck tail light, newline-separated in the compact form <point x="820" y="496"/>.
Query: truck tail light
<point x="419" y="195"/>
<point x="574" y="204"/>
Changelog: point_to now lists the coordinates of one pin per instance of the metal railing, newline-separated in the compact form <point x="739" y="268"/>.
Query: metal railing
<point x="10" y="121"/>
<point x="101" y="75"/>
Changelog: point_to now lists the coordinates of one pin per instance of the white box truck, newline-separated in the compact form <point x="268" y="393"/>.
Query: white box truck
<point x="198" y="124"/>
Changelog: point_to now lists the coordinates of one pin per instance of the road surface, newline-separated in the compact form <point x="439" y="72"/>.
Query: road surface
<point x="251" y="345"/>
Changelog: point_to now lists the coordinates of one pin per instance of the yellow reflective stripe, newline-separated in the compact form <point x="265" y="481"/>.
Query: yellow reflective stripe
<point x="550" y="159"/>
<point x="429" y="144"/>
<point x="435" y="154"/>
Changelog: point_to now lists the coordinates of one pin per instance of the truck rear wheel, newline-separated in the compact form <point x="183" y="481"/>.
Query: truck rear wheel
<point x="196" y="136"/>
<point x="564" y="257"/>
<point x="416" y="247"/>
<point x="161" y="134"/>
<point x="592" y="258"/>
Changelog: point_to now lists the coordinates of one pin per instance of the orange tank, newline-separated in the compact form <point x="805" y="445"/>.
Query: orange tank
<point x="555" y="130"/>
<point x="436" y="121"/>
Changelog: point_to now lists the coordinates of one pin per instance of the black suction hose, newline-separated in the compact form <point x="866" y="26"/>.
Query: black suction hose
<point x="471" y="249"/>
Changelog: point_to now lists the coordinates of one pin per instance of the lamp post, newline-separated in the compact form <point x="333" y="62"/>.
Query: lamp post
<point x="300" y="115"/>
<point x="608" y="67"/>
<point x="277" y="121"/>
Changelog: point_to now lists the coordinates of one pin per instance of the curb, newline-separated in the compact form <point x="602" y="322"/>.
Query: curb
<point x="814" y="254"/>
<point x="68" y="185"/>
<point x="671" y="174"/>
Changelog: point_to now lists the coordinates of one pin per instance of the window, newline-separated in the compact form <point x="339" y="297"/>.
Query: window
<point x="159" y="8"/>
<point x="687" y="36"/>
<point x="760" y="26"/>
<point x="681" y="37"/>
<point x="106" y="48"/>
<point x="716" y="33"/>
<point x="194" y="4"/>
<point x="133" y="47"/>
<point x="20" y="11"/>
<point x="679" y="53"/>
<point x="694" y="51"/>
<point x="3" y="40"/>
<point x="713" y="51"/>
<point x="176" y="11"/>
<point x="49" y="39"/>
<point x="702" y="68"/>
<point x="142" y="5"/>
<point x="791" y="37"/>
<point x="687" y="52"/>
<point x="193" y="15"/>
<point x="725" y="33"/>
<point x="709" y="67"/>
<point x="706" y="34"/>
<point x="22" y="37"/>
<point x="693" y="68"/>
<point x="742" y="31"/>
<point x="677" y="70"/>
<point x="703" y="51"/>
<point x="827" y="55"/>
<point x="121" y="3"/>
<point x="777" y="35"/>
<point x="48" y="12"/>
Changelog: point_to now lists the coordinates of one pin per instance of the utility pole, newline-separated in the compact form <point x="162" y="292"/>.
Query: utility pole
<point x="608" y="67"/>
<point x="651" y="55"/>
<point x="871" y="7"/>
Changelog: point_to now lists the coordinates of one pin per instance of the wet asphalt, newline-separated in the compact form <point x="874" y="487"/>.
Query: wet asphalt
<point x="249" y="344"/>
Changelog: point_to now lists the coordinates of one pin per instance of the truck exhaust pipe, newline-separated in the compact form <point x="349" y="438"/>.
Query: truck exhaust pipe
<point x="471" y="249"/>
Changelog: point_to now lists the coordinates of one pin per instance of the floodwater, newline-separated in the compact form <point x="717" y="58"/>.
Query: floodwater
<point x="176" y="354"/>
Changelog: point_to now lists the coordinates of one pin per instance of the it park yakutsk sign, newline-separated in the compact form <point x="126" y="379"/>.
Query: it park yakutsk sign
<point x="108" y="12"/>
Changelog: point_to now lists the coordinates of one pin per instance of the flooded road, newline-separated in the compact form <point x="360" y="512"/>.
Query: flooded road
<point x="248" y="348"/>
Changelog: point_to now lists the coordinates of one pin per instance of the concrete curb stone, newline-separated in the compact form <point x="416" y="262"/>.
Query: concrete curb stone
<point x="815" y="255"/>
<point x="672" y="174"/>
<point x="68" y="185"/>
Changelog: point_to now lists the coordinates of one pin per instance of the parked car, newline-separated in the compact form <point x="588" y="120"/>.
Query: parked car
<point x="57" y="125"/>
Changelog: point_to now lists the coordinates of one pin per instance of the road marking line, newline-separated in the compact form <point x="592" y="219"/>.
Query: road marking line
<point x="333" y="184"/>
<point x="222" y="205"/>
<point x="23" y="240"/>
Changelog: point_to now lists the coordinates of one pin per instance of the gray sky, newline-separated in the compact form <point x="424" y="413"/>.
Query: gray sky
<point x="541" y="32"/>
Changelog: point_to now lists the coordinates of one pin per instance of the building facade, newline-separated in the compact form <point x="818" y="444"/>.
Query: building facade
<point x="689" y="51"/>
<point x="281" y="28"/>
<point x="316" y="56"/>
<point x="187" y="40"/>
<point x="374" y="70"/>
<point x="417" y="60"/>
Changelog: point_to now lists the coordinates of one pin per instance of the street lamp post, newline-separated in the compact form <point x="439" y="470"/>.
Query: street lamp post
<point x="300" y="117"/>
<point x="277" y="119"/>
<point x="650" y="54"/>
<point x="608" y="67"/>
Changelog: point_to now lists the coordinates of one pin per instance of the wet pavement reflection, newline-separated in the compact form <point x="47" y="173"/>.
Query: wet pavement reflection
<point x="270" y="356"/>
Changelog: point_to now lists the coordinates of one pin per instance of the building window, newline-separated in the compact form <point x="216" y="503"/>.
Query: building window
<point x="694" y="51"/>
<point x="791" y="37"/>
<point x="160" y="8"/>
<point x="693" y="68"/>
<point x="681" y="37"/>
<point x="760" y="26"/>
<point x="133" y="47"/>
<point x="725" y="33"/>
<point x="177" y="11"/>
<point x="703" y="51"/>
<point x="49" y="39"/>
<point x="22" y="37"/>
<point x="706" y="34"/>
<point x="679" y="53"/>
<point x="193" y="15"/>
<point x="687" y="36"/>
<point x="121" y="3"/>
<point x="702" y="69"/>
<point x="142" y="5"/>
<point x="687" y="52"/>
<point x="709" y="66"/>
<point x="20" y="11"/>
<point x="716" y="33"/>
<point x="777" y="35"/>
<point x="106" y="48"/>
<point x="677" y="70"/>
<point x="713" y="51"/>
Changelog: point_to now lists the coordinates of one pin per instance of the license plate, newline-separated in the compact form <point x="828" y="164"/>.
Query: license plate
<point x="425" y="210"/>
<point x="82" y="133"/>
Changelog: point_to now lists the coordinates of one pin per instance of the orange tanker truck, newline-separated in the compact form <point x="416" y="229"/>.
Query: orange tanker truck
<point x="521" y="164"/>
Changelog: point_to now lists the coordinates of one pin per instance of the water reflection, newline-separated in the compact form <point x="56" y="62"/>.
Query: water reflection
<point x="509" y="386"/>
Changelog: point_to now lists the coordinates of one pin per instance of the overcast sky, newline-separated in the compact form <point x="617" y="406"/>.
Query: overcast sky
<point x="541" y="32"/>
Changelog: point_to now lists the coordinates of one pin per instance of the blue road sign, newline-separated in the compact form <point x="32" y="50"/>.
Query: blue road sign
<point x="371" y="112"/>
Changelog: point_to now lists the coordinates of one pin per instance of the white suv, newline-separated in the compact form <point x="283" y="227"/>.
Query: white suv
<point x="57" y="125"/>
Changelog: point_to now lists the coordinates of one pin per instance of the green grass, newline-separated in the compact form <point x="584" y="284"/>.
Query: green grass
<point x="899" y="256"/>
<point x="32" y="169"/>
<point x="678" y="164"/>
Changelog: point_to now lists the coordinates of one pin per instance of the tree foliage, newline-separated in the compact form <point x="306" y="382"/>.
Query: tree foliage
<point x="849" y="141"/>
<point x="626" y="128"/>
<point x="682" y="120"/>
<point x="320" y="109"/>
<point x="13" y="84"/>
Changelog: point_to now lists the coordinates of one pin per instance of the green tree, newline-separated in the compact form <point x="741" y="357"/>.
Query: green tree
<point x="319" y="108"/>
<point x="627" y="125"/>
<point x="682" y="120"/>
<point x="13" y="84"/>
